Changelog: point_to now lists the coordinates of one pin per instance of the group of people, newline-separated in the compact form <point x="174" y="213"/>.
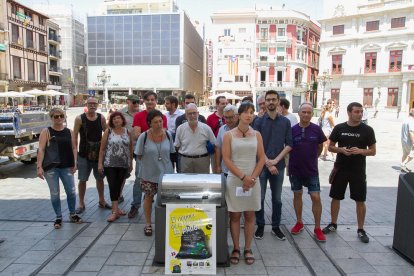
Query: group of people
<point x="248" y="150"/>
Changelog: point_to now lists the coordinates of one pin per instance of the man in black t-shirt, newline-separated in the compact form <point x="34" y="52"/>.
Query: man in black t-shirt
<point x="355" y="141"/>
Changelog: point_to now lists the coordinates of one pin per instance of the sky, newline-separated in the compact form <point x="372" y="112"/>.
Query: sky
<point x="199" y="10"/>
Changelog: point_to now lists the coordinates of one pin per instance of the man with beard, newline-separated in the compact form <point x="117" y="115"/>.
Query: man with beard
<point x="355" y="141"/>
<point x="277" y="141"/>
<point x="232" y="119"/>
<point x="89" y="126"/>
<point x="191" y="140"/>
<point x="171" y="104"/>
<point x="140" y="125"/>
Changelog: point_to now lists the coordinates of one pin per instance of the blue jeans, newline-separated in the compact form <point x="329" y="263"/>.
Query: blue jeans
<point x="52" y="178"/>
<point x="276" y="182"/>
<point x="136" y="190"/>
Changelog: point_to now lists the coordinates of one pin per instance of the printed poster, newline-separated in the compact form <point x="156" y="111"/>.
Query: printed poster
<point x="190" y="240"/>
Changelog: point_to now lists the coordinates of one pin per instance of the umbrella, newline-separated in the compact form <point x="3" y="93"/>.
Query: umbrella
<point x="55" y="93"/>
<point x="14" y="94"/>
<point x="229" y="96"/>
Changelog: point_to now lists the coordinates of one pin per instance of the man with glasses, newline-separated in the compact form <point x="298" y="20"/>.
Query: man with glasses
<point x="129" y="112"/>
<point x="89" y="126"/>
<point x="277" y="141"/>
<point x="216" y="120"/>
<point x="308" y="141"/>
<point x="140" y="125"/>
<point x="183" y="119"/>
<point x="232" y="119"/>
<point x="190" y="142"/>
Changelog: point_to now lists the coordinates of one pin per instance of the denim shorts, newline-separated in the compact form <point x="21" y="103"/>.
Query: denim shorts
<point x="85" y="167"/>
<point x="311" y="182"/>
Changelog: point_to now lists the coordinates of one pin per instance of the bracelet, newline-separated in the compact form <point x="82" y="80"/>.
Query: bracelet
<point x="242" y="178"/>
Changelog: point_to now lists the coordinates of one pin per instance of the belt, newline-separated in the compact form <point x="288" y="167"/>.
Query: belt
<point x="194" y="156"/>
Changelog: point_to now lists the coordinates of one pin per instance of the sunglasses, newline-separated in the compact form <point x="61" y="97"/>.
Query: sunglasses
<point x="135" y="102"/>
<point x="58" y="116"/>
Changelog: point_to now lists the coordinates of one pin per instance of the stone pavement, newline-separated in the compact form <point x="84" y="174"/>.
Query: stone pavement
<point x="96" y="247"/>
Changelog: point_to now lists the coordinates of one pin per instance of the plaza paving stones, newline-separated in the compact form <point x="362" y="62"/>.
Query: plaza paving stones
<point x="96" y="247"/>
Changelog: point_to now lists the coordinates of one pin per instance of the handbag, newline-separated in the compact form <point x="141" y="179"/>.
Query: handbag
<point x="51" y="157"/>
<point x="210" y="147"/>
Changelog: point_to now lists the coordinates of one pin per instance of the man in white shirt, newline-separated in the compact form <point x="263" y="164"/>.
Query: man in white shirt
<point x="284" y="110"/>
<point x="191" y="143"/>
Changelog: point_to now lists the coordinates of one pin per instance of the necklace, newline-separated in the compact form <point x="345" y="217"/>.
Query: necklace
<point x="243" y="132"/>
<point x="158" y="145"/>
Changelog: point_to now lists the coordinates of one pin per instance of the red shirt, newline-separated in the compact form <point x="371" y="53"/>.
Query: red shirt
<point x="140" y="120"/>
<point x="215" y="122"/>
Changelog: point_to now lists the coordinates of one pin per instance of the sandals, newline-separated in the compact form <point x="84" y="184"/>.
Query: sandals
<point x="75" y="218"/>
<point x="148" y="230"/>
<point x="234" y="259"/>
<point x="112" y="217"/>
<point x="58" y="223"/>
<point x="121" y="212"/>
<point x="104" y="205"/>
<point x="249" y="260"/>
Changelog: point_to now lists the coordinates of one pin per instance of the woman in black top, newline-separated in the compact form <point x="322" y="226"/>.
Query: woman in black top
<point x="65" y="170"/>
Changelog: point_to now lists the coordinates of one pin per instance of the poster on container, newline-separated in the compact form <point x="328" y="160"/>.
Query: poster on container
<point x="190" y="240"/>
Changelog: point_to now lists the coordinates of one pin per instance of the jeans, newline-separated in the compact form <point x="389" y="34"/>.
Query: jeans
<point x="276" y="182"/>
<point x="136" y="190"/>
<point x="52" y="178"/>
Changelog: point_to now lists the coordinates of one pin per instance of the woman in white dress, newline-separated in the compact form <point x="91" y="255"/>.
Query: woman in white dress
<point x="327" y="127"/>
<point x="244" y="156"/>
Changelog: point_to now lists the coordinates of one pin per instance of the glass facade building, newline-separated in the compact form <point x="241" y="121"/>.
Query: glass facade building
<point x="152" y="39"/>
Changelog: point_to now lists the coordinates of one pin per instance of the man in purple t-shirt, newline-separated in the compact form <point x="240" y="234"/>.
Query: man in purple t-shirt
<point x="308" y="141"/>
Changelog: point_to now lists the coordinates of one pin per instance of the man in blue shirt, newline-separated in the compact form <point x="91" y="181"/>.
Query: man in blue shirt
<point x="277" y="141"/>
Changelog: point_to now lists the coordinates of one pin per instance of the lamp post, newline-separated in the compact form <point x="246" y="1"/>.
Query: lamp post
<point x="324" y="79"/>
<point x="104" y="78"/>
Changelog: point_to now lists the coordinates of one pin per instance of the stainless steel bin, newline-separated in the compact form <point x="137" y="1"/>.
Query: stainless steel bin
<point x="192" y="189"/>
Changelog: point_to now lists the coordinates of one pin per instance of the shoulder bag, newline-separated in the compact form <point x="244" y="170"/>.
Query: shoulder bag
<point x="51" y="157"/>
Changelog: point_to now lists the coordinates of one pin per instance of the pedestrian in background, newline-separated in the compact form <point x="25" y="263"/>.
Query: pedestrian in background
<point x="64" y="171"/>
<point x="153" y="149"/>
<point x="115" y="159"/>
<point x="407" y="142"/>
<point x="171" y="104"/>
<point x="327" y="125"/>
<point x="244" y="157"/>
<point x="215" y="121"/>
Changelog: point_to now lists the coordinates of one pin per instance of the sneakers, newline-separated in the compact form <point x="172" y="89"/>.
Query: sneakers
<point x="362" y="235"/>
<point x="319" y="236"/>
<point x="259" y="232"/>
<point x="330" y="228"/>
<point x="404" y="169"/>
<point x="132" y="212"/>
<point x="297" y="228"/>
<point x="278" y="233"/>
<point x="75" y="218"/>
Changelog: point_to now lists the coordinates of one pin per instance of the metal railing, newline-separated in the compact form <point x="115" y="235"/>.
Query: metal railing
<point x="55" y="69"/>
<point x="281" y="84"/>
<point x="54" y="37"/>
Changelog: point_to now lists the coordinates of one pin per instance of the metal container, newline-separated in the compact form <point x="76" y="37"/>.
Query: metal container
<point x="191" y="188"/>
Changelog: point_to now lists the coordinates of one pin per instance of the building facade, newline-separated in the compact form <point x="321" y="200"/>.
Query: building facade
<point x="4" y="76"/>
<point x="265" y="48"/>
<point x="144" y="49"/>
<point x="367" y="49"/>
<point x="27" y="50"/>
<point x="55" y="54"/>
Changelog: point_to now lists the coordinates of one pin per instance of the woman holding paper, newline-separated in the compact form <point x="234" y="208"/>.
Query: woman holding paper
<point x="244" y="156"/>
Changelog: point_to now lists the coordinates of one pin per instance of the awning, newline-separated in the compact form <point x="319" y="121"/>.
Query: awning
<point x="2" y="47"/>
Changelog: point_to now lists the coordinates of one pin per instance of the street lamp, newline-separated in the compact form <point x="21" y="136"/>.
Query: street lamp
<point x="324" y="79"/>
<point x="104" y="78"/>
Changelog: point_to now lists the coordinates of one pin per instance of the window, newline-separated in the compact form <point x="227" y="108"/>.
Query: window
<point x="299" y="35"/>
<point x="370" y="62"/>
<point x="17" y="70"/>
<point x="281" y="50"/>
<point x="264" y="33"/>
<point x="42" y="46"/>
<point x="220" y="79"/>
<point x="392" y="99"/>
<point x="338" y="29"/>
<point x="30" y="70"/>
<point x="372" y="26"/>
<point x="281" y="32"/>
<point x="29" y="39"/>
<point x="367" y="97"/>
<point x="397" y="22"/>
<point x="335" y="95"/>
<point x="226" y="32"/>
<point x="238" y="78"/>
<point x="15" y="33"/>
<point x="395" y="61"/>
<point x="336" y="64"/>
<point x="14" y="9"/>
<point x="41" y="21"/>
<point x="42" y="72"/>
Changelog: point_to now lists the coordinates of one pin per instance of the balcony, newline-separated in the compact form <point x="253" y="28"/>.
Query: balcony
<point x="293" y="86"/>
<point x="54" y="38"/>
<point x="54" y="53"/>
<point x="54" y="68"/>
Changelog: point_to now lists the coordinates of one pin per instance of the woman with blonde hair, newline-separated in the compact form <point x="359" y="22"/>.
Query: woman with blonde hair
<point x="64" y="171"/>
<point x="327" y="125"/>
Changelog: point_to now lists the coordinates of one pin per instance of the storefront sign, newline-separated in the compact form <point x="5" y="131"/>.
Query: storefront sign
<point x="190" y="240"/>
